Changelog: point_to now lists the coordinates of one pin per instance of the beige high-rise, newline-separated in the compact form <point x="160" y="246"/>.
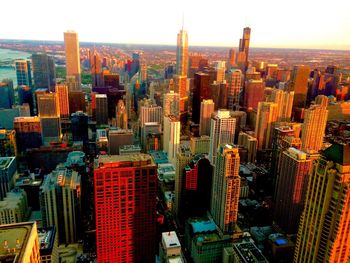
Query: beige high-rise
<point x="207" y="108"/>
<point x="315" y="120"/>
<point x="71" y="44"/>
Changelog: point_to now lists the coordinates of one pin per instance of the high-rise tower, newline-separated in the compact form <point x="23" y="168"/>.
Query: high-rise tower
<point x="299" y="84"/>
<point x="23" y="73"/>
<point x="267" y="115"/>
<point x="71" y="44"/>
<point x="125" y="204"/>
<point x="313" y="128"/>
<point x="323" y="234"/>
<point x="222" y="130"/>
<point x="63" y="100"/>
<point x="207" y="108"/>
<point x="226" y="188"/>
<point x="44" y="71"/>
<point x="182" y="53"/>
<point x="243" y="51"/>
<point x="171" y="137"/>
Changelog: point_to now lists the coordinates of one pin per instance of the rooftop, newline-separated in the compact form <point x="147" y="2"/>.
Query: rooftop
<point x="61" y="177"/>
<point x="15" y="238"/>
<point x="130" y="160"/>
<point x="46" y="240"/>
<point x="170" y="239"/>
<point x="248" y="252"/>
<point x="159" y="157"/>
<point x="5" y="162"/>
<point x="12" y="199"/>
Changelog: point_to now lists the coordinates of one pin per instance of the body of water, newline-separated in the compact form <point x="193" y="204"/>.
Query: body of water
<point x="7" y="58"/>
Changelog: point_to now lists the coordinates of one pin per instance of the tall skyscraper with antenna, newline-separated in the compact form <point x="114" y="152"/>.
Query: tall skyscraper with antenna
<point x="182" y="53"/>
<point x="243" y="51"/>
<point x="71" y="44"/>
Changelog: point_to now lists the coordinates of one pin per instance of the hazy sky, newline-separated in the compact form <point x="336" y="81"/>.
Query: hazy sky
<point x="274" y="23"/>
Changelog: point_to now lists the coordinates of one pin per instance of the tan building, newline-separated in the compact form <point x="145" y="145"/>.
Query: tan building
<point x="200" y="144"/>
<point x="323" y="234"/>
<point x="171" y="137"/>
<point x="20" y="243"/>
<point x="71" y="44"/>
<point x="182" y="53"/>
<point x="284" y="100"/>
<point x="226" y="188"/>
<point x="234" y="87"/>
<point x="48" y="105"/>
<point x="266" y="117"/>
<point x="299" y="84"/>
<point x="207" y="109"/>
<point x="250" y="143"/>
<point x="313" y="129"/>
<point x="171" y="103"/>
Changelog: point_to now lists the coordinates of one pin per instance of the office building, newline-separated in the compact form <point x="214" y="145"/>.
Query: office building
<point x="313" y="128"/>
<point x="8" y="168"/>
<point x="181" y="87"/>
<point x="291" y="188"/>
<point x="171" y="137"/>
<point x="284" y="100"/>
<point x="253" y="93"/>
<point x="20" y="243"/>
<point x="48" y="105"/>
<point x="207" y="109"/>
<point x="266" y="117"/>
<point x="8" y="145"/>
<point x="50" y="129"/>
<point x="63" y="100"/>
<point x="220" y="67"/>
<point x="80" y="126"/>
<point x="243" y="51"/>
<point x="44" y="71"/>
<point x="234" y="87"/>
<point x="171" y="104"/>
<point x="196" y="187"/>
<point x="150" y="113"/>
<point x="200" y="144"/>
<point x="183" y="157"/>
<point x="231" y="58"/>
<point x="122" y="116"/>
<point x="218" y="93"/>
<point x="243" y="252"/>
<point x="204" y="241"/>
<point x="151" y="136"/>
<point x="182" y="53"/>
<point x="250" y="143"/>
<point x="222" y="130"/>
<point x="125" y="205"/>
<point x="71" y="44"/>
<point x="60" y="203"/>
<point x="28" y="133"/>
<point x="48" y="245"/>
<point x="72" y="83"/>
<point x="299" y="84"/>
<point x="170" y="248"/>
<point x="200" y="93"/>
<point x="101" y="109"/>
<point x="23" y="73"/>
<point x="25" y="95"/>
<point x="14" y="207"/>
<point x="7" y="96"/>
<point x="323" y="234"/>
<point x="226" y="188"/>
<point x="96" y="69"/>
<point x="76" y="101"/>
<point x="118" y="138"/>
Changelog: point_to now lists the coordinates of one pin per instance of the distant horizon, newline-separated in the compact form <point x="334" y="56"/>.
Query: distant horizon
<point x="2" y="40"/>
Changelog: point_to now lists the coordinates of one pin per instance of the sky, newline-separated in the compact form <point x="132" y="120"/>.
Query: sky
<point x="318" y="24"/>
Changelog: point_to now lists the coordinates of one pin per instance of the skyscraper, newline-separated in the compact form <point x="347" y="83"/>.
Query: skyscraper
<point x="101" y="109"/>
<point x="226" y="188"/>
<point x="220" y="71"/>
<point x="200" y="92"/>
<point x="48" y="105"/>
<point x="96" y="70"/>
<point x="8" y="168"/>
<point x="44" y="71"/>
<point x="71" y="44"/>
<point x="231" y="58"/>
<point x="171" y="137"/>
<point x="152" y="113"/>
<point x="253" y="93"/>
<point x="122" y="116"/>
<point x="207" y="109"/>
<point x="234" y="87"/>
<point x="182" y="53"/>
<point x="180" y="87"/>
<point x="313" y="129"/>
<point x="25" y="95"/>
<point x="125" y="205"/>
<point x="222" y="130"/>
<point x="118" y="138"/>
<point x="171" y="103"/>
<point x="243" y="51"/>
<point x="299" y="84"/>
<point x="23" y="73"/>
<point x="7" y="96"/>
<point x="291" y="189"/>
<point x="284" y="100"/>
<point x="60" y="203"/>
<point x="28" y="133"/>
<point x="266" y="116"/>
<point x="80" y="125"/>
<point x="63" y="100"/>
<point x="323" y="234"/>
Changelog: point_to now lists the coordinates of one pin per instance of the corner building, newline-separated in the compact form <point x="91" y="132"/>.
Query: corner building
<point x="125" y="205"/>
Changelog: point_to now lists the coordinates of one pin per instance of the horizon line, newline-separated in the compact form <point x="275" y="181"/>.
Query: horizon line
<point x="174" y="45"/>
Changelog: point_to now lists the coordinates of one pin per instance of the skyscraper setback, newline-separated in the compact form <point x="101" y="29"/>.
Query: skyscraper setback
<point x="71" y="44"/>
<point x="243" y="51"/>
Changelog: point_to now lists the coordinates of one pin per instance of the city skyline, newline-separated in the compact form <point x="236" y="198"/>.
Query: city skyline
<point x="213" y="26"/>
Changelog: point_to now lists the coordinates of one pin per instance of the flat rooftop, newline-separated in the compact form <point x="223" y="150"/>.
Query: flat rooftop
<point x="170" y="239"/>
<point x="5" y="162"/>
<point x="16" y="236"/>
<point x="129" y="160"/>
<point x="46" y="240"/>
<point x="248" y="252"/>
